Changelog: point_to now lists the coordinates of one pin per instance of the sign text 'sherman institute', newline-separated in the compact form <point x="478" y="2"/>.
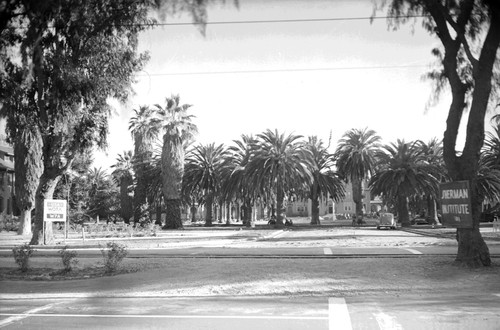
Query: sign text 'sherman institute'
<point x="455" y="204"/>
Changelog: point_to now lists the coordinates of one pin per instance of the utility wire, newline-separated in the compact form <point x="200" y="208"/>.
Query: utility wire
<point x="283" y="70"/>
<point x="298" y="20"/>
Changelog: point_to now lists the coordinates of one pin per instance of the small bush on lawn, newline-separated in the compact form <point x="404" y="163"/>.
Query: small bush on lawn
<point x="113" y="255"/>
<point x="8" y="222"/>
<point x="68" y="259"/>
<point x="22" y="254"/>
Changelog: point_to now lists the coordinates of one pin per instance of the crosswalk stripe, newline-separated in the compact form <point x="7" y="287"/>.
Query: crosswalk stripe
<point x="338" y="314"/>
<point x="413" y="251"/>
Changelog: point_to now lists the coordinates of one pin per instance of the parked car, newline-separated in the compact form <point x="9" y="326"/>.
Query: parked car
<point x="387" y="220"/>
<point x="489" y="216"/>
<point x="419" y="221"/>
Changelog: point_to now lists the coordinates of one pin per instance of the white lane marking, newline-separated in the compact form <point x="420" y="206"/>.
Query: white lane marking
<point x="327" y="251"/>
<point x="338" y="314"/>
<point x="413" y="251"/>
<point x="387" y="322"/>
<point x="497" y="294"/>
<point x="263" y="317"/>
<point x="32" y="312"/>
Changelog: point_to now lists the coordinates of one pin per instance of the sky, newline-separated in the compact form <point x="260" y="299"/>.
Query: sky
<point x="306" y="78"/>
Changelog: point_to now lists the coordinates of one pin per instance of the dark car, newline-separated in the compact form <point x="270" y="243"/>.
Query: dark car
<point x="419" y="221"/>
<point x="489" y="216"/>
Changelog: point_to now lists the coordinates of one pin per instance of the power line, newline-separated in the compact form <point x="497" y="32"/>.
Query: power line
<point x="298" y="20"/>
<point x="283" y="70"/>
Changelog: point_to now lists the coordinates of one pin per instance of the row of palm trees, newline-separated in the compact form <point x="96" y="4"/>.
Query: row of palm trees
<point x="273" y="167"/>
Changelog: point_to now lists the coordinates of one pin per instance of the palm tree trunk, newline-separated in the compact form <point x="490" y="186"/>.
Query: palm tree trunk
<point x="247" y="213"/>
<point x="228" y="213"/>
<point x="357" y="196"/>
<point x="193" y="210"/>
<point x="280" y="196"/>
<point x="403" y="211"/>
<point x="209" y="213"/>
<point x="172" y="169"/>
<point x="173" y="214"/>
<point x="432" y="205"/>
<point x="126" y="202"/>
<point x="158" y="212"/>
<point x="45" y="191"/>
<point x="314" y="205"/>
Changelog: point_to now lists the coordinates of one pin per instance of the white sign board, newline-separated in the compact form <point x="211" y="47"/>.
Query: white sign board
<point x="54" y="210"/>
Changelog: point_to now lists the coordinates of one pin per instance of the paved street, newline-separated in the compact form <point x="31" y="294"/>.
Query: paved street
<point x="446" y="310"/>
<point x="154" y="300"/>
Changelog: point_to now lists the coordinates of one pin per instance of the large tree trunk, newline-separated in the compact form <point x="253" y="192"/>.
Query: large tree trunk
<point x="28" y="167"/>
<point x="314" y="205"/>
<point x="472" y="250"/>
<point x="357" y="196"/>
<point x="172" y="170"/>
<point x="247" y="213"/>
<point x="45" y="191"/>
<point x="228" y="213"/>
<point x="25" y="222"/>
<point x="432" y="210"/>
<point x="173" y="214"/>
<point x="126" y="201"/>
<point x="209" y="213"/>
<point x="403" y="211"/>
<point x="280" y="208"/>
<point x="193" y="210"/>
<point x="158" y="212"/>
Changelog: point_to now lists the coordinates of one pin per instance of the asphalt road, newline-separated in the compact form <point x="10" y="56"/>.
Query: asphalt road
<point x="265" y="252"/>
<point x="443" y="310"/>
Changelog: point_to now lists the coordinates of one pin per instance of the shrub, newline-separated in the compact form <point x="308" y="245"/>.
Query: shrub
<point x="8" y="222"/>
<point x="22" y="254"/>
<point x="68" y="258"/>
<point x="113" y="255"/>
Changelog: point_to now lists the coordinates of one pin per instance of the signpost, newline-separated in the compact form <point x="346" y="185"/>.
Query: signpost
<point x="54" y="210"/>
<point x="455" y="204"/>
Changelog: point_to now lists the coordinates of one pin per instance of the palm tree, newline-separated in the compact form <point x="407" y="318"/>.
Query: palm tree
<point x="326" y="182"/>
<point x="403" y="173"/>
<point x="280" y="163"/>
<point x="178" y="131"/>
<point x="488" y="180"/>
<point x="433" y="154"/>
<point x="124" y="178"/>
<point x="237" y="186"/>
<point x="355" y="156"/>
<point x="145" y="128"/>
<point x="203" y="172"/>
<point x="491" y="148"/>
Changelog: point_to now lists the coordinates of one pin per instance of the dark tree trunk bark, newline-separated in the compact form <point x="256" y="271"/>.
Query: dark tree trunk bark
<point x="173" y="219"/>
<point x="228" y="213"/>
<point x="45" y="191"/>
<point x="209" y="213"/>
<point x="280" y="209"/>
<point x="403" y="211"/>
<point x="158" y="212"/>
<point x="193" y="210"/>
<point x="357" y="196"/>
<point x="314" y="205"/>
<point x="247" y="213"/>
